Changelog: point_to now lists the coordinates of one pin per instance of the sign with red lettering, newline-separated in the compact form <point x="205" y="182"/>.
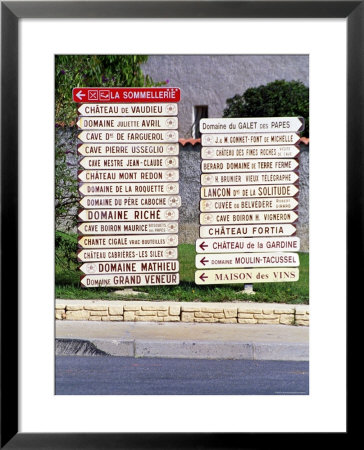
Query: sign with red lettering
<point x="247" y="230"/>
<point x="137" y="136"/>
<point x="285" y="151"/>
<point x="127" y="123"/>
<point x="130" y="267"/>
<point x="237" y="139"/>
<point x="131" y="241"/>
<point x="219" y="261"/>
<point x="255" y="275"/>
<point x="249" y="165"/>
<point x="248" y="200"/>
<point x="150" y="201"/>
<point x="240" y="245"/>
<point x="119" y="280"/>
<point x="135" y="162"/>
<point x="128" y="149"/>
<point x="129" y="254"/>
<point x="123" y="228"/>
<point x="241" y="217"/>
<point x="252" y="125"/>
<point x="254" y="204"/>
<point x="128" y="186"/>
<point x="128" y="110"/>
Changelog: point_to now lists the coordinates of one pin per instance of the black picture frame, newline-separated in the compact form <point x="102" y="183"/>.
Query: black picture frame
<point x="11" y="12"/>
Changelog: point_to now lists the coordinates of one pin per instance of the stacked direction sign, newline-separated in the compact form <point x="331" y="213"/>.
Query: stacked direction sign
<point x="249" y="200"/>
<point x="128" y="181"/>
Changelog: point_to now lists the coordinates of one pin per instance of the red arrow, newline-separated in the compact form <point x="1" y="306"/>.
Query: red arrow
<point x="203" y="261"/>
<point x="203" y="276"/>
<point x="203" y="245"/>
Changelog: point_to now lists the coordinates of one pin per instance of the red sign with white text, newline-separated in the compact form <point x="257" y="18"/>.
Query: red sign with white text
<point x="126" y="95"/>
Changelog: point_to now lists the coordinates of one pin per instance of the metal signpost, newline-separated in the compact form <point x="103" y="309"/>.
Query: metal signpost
<point x="128" y="181"/>
<point x="249" y="200"/>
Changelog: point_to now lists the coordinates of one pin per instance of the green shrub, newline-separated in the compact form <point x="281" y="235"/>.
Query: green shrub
<point x="277" y="99"/>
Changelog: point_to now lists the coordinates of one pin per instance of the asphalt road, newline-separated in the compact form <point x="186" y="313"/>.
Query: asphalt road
<point x="110" y="375"/>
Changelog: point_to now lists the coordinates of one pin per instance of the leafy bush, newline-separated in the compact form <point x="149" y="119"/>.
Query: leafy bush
<point x="94" y="70"/>
<point x="277" y="99"/>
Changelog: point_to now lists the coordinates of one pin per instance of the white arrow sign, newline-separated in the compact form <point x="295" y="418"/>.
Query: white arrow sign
<point x="130" y="280"/>
<point x="252" y="125"/>
<point x="132" y="254"/>
<point x="288" y="151"/>
<point x="128" y="176"/>
<point x="240" y="245"/>
<point x="128" y="149"/>
<point x="80" y="95"/>
<point x="138" y="136"/>
<point x="149" y="201"/>
<point x="220" y="261"/>
<point x="217" y="218"/>
<point x="124" y="109"/>
<point x="124" y="228"/>
<point x="255" y="204"/>
<point x="228" y="276"/>
<point x="284" y="190"/>
<point x="128" y="188"/>
<point x="140" y="215"/>
<point x="132" y="241"/>
<point x="213" y="140"/>
<point x="127" y="163"/>
<point x="248" y="178"/>
<point x="247" y="230"/>
<point x="249" y="165"/>
<point x="130" y="267"/>
<point x="127" y="123"/>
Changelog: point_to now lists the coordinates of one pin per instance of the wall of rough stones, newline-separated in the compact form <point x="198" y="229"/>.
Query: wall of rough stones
<point x="197" y="312"/>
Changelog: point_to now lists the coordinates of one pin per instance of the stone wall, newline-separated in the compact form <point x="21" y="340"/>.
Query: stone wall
<point x="147" y="311"/>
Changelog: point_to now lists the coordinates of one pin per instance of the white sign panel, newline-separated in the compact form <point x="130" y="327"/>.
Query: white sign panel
<point x="128" y="149"/>
<point x="127" y="123"/>
<point x="133" y="241"/>
<point x="124" y="109"/>
<point x="288" y="151"/>
<point x="216" y="218"/>
<point x="214" y="140"/>
<point x="284" y="190"/>
<point x="128" y="188"/>
<point x="255" y="204"/>
<point x="252" y="125"/>
<point x="130" y="267"/>
<point x="239" y="245"/>
<point x="248" y="178"/>
<point x="129" y="176"/>
<point x="247" y="230"/>
<point x="139" y="136"/>
<point x="129" y="254"/>
<point x="140" y="215"/>
<point x="225" y="260"/>
<point x="249" y="165"/>
<point x="261" y="275"/>
<point x="124" y="228"/>
<point x="149" y="201"/>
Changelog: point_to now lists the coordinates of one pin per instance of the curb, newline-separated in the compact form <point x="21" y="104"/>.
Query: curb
<point x="196" y="349"/>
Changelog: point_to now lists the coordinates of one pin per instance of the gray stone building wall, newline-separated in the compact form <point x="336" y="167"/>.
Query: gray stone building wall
<point x="211" y="79"/>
